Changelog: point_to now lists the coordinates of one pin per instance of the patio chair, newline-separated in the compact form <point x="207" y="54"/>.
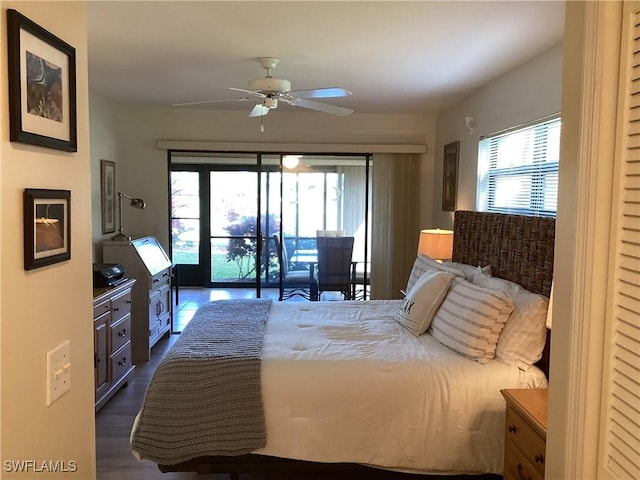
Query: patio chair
<point x="294" y="282"/>
<point x="334" y="265"/>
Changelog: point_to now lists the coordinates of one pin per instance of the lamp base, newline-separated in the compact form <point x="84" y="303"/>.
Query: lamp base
<point x="121" y="237"/>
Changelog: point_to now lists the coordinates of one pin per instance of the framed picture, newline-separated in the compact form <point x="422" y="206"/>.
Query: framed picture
<point x="108" y="195"/>
<point x="42" y="86"/>
<point x="450" y="176"/>
<point x="47" y="227"/>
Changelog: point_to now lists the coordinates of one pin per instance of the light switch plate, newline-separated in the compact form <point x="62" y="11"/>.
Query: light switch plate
<point x="58" y="371"/>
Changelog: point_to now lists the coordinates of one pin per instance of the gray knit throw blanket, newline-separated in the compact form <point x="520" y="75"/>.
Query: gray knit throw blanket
<point x="205" y="397"/>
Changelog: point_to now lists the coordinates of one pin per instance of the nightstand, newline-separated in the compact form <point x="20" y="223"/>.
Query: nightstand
<point x="525" y="433"/>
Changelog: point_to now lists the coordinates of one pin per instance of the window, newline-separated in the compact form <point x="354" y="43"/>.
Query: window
<point x="518" y="170"/>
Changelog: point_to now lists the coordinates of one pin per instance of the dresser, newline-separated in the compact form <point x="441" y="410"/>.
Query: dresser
<point x="112" y="362"/>
<point x="146" y="261"/>
<point x="525" y="434"/>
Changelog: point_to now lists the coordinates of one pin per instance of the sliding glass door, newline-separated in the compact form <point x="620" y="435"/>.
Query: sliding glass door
<point x="226" y="209"/>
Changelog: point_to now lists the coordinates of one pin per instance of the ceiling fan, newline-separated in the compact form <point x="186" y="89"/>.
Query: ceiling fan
<point x="268" y="91"/>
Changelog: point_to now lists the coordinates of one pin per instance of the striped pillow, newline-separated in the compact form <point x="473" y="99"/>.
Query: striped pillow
<point x="525" y="333"/>
<point x="470" y="320"/>
<point x="423" y="264"/>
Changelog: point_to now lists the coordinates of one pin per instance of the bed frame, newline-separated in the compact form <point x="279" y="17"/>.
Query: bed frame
<point x="518" y="248"/>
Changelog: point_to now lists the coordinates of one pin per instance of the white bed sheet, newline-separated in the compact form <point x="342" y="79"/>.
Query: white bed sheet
<point x="344" y="382"/>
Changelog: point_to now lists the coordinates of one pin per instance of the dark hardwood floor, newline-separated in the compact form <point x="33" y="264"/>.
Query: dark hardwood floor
<point x="114" y="460"/>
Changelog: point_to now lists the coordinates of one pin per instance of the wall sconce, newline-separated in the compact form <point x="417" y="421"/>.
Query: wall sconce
<point x="436" y="244"/>
<point x="135" y="203"/>
<point x="470" y="122"/>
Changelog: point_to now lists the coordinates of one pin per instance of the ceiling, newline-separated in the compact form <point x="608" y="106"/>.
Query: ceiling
<point x="394" y="56"/>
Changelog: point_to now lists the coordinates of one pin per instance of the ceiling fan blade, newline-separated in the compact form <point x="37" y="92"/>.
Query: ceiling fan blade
<point x="330" y="92"/>
<point x="250" y="92"/>
<point x="321" y="107"/>
<point x="259" y="110"/>
<point x="204" y="102"/>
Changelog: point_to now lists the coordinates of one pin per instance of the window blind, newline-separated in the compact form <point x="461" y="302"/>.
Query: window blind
<point x="621" y="387"/>
<point x="518" y="170"/>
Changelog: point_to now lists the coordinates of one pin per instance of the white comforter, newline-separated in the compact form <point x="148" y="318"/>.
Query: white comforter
<point x="343" y="382"/>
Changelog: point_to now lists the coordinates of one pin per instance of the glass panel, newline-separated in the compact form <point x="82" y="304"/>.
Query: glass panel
<point x="185" y="217"/>
<point x="232" y="260"/>
<point x="186" y="241"/>
<point x="270" y="223"/>
<point x="233" y="226"/>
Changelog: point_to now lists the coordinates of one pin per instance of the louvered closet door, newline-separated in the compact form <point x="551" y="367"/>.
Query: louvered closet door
<point x="620" y="441"/>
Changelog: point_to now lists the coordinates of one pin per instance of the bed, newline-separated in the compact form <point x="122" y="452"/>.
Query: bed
<point x="362" y="383"/>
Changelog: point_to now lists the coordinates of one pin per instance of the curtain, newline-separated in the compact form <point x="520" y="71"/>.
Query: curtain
<point x="395" y="222"/>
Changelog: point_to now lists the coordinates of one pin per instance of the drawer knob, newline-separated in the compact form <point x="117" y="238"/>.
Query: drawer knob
<point x="539" y="458"/>
<point x="520" y="473"/>
<point x="129" y="302"/>
<point x="116" y="309"/>
<point x="123" y="362"/>
<point x="122" y="333"/>
<point x="512" y="429"/>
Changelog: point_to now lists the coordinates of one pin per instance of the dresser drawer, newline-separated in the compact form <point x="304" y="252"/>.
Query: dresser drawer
<point x="162" y="279"/>
<point x="121" y="306"/>
<point x="101" y="308"/>
<point x="121" y="361"/>
<point x="517" y="466"/>
<point x="120" y="332"/>
<point x="526" y="440"/>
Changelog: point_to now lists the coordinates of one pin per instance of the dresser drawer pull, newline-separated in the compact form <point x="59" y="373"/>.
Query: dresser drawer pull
<point x="122" y="333"/>
<point x="129" y="302"/>
<point x="520" y="473"/>
<point x="512" y="429"/>
<point x="116" y="309"/>
<point x="123" y="362"/>
<point x="539" y="458"/>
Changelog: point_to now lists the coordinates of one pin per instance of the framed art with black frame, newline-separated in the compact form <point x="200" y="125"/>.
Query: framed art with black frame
<point x="450" y="176"/>
<point x="108" y="195"/>
<point x="47" y="227"/>
<point x="42" y="86"/>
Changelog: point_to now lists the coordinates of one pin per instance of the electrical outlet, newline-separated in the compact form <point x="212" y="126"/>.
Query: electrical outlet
<point x="58" y="371"/>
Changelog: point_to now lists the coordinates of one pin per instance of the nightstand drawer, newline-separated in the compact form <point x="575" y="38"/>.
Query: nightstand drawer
<point x="517" y="466"/>
<point x="520" y="433"/>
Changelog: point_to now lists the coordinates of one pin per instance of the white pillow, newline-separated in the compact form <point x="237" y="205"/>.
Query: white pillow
<point x="469" y="270"/>
<point x="470" y="319"/>
<point x="525" y="333"/>
<point x="423" y="264"/>
<point x="423" y="300"/>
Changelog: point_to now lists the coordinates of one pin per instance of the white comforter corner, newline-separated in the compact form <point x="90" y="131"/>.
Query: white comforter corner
<point x="344" y="382"/>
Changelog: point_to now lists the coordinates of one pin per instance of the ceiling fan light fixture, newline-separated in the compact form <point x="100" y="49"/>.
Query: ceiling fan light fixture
<point x="270" y="102"/>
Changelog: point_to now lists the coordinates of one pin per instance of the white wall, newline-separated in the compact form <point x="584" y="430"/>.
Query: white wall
<point x="42" y="308"/>
<point x="524" y="94"/>
<point x="142" y="167"/>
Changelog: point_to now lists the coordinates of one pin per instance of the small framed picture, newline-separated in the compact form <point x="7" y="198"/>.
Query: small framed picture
<point x="47" y="227"/>
<point x="450" y="176"/>
<point x="108" y="195"/>
<point x="42" y="86"/>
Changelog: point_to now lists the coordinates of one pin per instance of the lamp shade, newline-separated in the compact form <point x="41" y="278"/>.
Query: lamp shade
<point x="436" y="243"/>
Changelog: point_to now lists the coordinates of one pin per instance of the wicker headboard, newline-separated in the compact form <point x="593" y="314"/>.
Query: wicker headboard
<point x="518" y="248"/>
